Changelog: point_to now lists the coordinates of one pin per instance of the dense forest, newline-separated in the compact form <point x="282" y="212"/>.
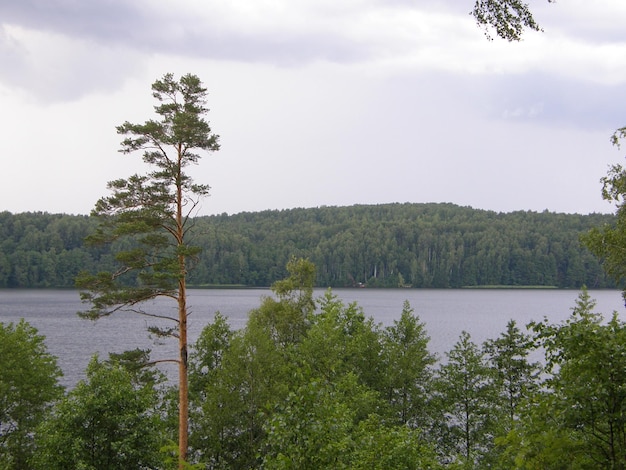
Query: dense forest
<point x="390" y="245"/>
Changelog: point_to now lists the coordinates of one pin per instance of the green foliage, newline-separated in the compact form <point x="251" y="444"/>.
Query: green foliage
<point x="346" y="393"/>
<point x="264" y="398"/>
<point x="515" y="377"/>
<point x="235" y="376"/>
<point x="340" y="341"/>
<point x="28" y="385"/>
<point x="310" y="429"/>
<point x="618" y="135"/>
<point x="465" y="392"/>
<point x="588" y="357"/>
<point x="153" y="214"/>
<point x="107" y="421"/>
<point x="607" y="241"/>
<point x="215" y="406"/>
<point x="391" y="245"/>
<point x="285" y="320"/>
<point x="137" y="363"/>
<point x="44" y="250"/>
<point x="509" y="18"/>
<point x="152" y="211"/>
<point x="408" y="365"/>
<point x="539" y="441"/>
<point x="379" y="446"/>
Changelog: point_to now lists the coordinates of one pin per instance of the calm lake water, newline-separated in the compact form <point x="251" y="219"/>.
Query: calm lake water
<point x="483" y="313"/>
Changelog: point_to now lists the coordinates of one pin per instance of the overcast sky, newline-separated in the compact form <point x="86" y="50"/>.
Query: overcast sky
<point x="318" y="102"/>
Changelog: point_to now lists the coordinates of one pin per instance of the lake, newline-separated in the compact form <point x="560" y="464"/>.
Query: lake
<point x="483" y="313"/>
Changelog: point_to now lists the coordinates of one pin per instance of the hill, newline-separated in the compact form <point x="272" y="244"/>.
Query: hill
<point x="389" y="245"/>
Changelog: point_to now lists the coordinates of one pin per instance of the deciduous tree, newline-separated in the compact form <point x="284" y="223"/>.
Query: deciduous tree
<point x="509" y="18"/>
<point x="28" y="385"/>
<point x="408" y="368"/>
<point x="465" y="391"/>
<point x="608" y="242"/>
<point x="107" y="421"/>
<point x="515" y="376"/>
<point x="588" y="360"/>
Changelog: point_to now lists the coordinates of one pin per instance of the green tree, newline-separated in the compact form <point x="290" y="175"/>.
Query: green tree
<point x="236" y="377"/>
<point x="106" y="421"/>
<point x="408" y="368"/>
<point x="213" y="401"/>
<point x="335" y="414"/>
<point x="154" y="211"/>
<point x="516" y="379"/>
<point x="28" y="386"/>
<point x="287" y="318"/>
<point x="311" y="429"/>
<point x="465" y="394"/>
<point x="587" y="358"/>
<point x="509" y="18"/>
<point x="607" y="242"/>
<point x="379" y="446"/>
<point x="541" y="441"/>
<point x="341" y="340"/>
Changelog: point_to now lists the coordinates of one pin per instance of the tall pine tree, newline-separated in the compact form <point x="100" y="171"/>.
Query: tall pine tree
<point x="154" y="213"/>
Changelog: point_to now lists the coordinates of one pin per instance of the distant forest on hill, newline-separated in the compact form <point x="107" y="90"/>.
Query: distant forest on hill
<point x="389" y="245"/>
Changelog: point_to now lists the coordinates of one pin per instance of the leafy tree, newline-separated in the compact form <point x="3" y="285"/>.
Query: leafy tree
<point x="137" y="363"/>
<point x="213" y="403"/>
<point x="341" y="340"/>
<point x="379" y="446"/>
<point x="516" y="379"/>
<point x="540" y="440"/>
<point x="322" y="425"/>
<point x="286" y="319"/>
<point x="509" y="18"/>
<point x="607" y="242"/>
<point x="235" y="377"/>
<point x="311" y="428"/>
<point x="154" y="211"/>
<point x="588" y="385"/>
<point x="408" y="368"/>
<point x="28" y="386"/>
<point x="335" y="415"/>
<point x="107" y="421"/>
<point x="465" y="393"/>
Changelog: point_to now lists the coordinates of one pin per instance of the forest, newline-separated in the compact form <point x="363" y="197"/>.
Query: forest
<point x="388" y="245"/>
<point x="312" y="383"/>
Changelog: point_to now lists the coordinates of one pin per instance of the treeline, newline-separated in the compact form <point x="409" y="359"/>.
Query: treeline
<point x="314" y="384"/>
<point x="390" y="245"/>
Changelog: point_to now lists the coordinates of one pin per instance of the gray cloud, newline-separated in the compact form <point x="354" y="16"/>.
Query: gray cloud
<point x="97" y="45"/>
<point x="117" y="35"/>
<point x="110" y="21"/>
<point x="135" y="26"/>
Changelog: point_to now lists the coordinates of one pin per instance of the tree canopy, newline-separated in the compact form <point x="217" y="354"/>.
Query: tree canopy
<point x="388" y="245"/>
<point x="28" y="386"/>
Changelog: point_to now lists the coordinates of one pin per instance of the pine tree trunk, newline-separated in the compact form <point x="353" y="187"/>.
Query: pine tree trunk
<point x="183" y="393"/>
<point x="183" y="390"/>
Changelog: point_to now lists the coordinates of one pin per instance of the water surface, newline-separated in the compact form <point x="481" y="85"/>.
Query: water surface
<point x="483" y="313"/>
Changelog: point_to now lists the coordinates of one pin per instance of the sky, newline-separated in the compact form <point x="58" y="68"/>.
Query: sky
<point x="318" y="102"/>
